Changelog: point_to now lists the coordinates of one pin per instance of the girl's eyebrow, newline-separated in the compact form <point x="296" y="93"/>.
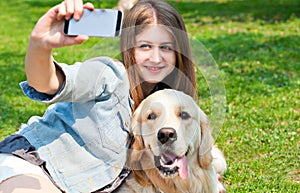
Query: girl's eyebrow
<point x="149" y="42"/>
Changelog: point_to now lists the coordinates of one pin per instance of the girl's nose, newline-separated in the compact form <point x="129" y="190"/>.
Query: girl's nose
<point x="155" y="56"/>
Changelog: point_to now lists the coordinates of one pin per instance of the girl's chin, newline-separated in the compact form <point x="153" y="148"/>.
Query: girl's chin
<point x="151" y="81"/>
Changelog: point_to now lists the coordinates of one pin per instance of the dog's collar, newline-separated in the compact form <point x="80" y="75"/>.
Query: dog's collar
<point x="160" y="191"/>
<point x="116" y="183"/>
<point x="130" y="140"/>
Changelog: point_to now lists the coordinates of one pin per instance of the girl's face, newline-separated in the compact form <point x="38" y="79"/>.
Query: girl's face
<point x="154" y="53"/>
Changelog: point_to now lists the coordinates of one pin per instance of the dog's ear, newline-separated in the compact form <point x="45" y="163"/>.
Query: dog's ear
<point x="206" y="142"/>
<point x="137" y="149"/>
<point x="136" y="153"/>
<point x="137" y="144"/>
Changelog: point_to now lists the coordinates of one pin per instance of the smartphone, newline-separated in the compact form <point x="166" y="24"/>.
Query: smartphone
<point x="96" y="23"/>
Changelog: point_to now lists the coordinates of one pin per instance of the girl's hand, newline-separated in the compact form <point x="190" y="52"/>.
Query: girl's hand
<point x="48" y="32"/>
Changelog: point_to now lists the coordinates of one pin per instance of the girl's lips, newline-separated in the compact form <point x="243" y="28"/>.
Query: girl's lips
<point x="154" y="69"/>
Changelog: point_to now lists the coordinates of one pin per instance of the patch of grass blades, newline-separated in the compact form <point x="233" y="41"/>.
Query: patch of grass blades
<point x="256" y="47"/>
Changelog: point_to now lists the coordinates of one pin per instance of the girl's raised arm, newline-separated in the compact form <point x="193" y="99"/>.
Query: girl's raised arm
<point x="42" y="73"/>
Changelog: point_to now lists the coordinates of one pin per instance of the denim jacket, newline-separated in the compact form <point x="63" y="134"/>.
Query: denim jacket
<point x="82" y="136"/>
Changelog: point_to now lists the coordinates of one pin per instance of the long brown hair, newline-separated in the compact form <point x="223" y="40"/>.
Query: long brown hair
<point x="157" y="12"/>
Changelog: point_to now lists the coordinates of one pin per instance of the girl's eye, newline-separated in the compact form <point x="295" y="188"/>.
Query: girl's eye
<point x="166" y="47"/>
<point x="184" y="115"/>
<point x="151" y="116"/>
<point x="145" y="46"/>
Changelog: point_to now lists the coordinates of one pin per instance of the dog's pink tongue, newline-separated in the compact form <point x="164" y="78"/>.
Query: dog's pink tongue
<point x="182" y="167"/>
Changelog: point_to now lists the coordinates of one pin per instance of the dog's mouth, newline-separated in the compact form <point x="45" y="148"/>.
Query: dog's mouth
<point x="170" y="165"/>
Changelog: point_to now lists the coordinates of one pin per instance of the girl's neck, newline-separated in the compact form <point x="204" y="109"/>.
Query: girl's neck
<point x="147" y="88"/>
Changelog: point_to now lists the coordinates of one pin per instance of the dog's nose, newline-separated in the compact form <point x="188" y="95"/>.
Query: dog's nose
<point x="167" y="134"/>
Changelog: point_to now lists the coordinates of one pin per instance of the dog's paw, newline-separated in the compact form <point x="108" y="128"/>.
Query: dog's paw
<point x="221" y="187"/>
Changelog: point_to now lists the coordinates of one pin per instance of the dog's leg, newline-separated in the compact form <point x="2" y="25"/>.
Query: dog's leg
<point x="220" y="166"/>
<point x="219" y="161"/>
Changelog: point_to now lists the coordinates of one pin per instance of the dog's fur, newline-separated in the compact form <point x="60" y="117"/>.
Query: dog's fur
<point x="168" y="125"/>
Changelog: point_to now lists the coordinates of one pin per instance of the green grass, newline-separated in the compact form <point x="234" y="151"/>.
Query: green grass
<point x="256" y="47"/>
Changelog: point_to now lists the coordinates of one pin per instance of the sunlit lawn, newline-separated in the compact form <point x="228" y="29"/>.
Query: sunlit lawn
<point x="255" y="45"/>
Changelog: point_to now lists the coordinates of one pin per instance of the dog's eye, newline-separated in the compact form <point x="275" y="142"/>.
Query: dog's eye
<point x="151" y="116"/>
<point x="184" y="115"/>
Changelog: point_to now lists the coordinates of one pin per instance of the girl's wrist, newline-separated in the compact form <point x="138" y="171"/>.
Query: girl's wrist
<point x="38" y="45"/>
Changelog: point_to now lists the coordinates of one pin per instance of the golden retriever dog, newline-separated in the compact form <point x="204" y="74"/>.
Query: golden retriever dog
<point x="172" y="147"/>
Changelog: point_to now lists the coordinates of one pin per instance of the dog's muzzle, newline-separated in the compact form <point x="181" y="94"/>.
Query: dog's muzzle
<point x="169" y="164"/>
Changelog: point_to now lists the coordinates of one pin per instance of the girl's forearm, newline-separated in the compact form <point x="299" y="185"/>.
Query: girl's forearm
<point x="41" y="72"/>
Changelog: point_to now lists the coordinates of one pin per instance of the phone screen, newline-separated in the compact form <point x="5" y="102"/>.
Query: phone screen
<point x="97" y="23"/>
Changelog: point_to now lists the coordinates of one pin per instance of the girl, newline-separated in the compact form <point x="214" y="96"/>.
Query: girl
<point x="80" y="143"/>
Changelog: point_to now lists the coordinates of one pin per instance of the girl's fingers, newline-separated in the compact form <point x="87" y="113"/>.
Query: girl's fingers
<point x="88" y="6"/>
<point x="72" y="8"/>
<point x="69" y="8"/>
<point x="75" y="40"/>
<point x="61" y="11"/>
<point x="78" y="9"/>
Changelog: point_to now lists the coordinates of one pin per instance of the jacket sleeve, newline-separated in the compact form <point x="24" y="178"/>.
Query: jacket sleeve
<point x="93" y="79"/>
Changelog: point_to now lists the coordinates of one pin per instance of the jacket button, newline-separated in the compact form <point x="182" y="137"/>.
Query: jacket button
<point x="127" y="123"/>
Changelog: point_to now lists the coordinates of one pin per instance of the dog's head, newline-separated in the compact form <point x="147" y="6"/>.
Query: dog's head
<point x="171" y="134"/>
